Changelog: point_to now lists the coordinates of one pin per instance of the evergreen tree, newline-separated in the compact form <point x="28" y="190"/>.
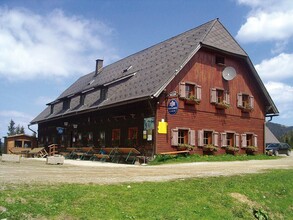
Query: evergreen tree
<point x="11" y="128"/>
<point x="22" y="130"/>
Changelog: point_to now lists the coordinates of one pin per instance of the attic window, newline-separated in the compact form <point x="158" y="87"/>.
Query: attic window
<point x="220" y="60"/>
<point x="103" y="94"/>
<point x="128" y="68"/>
<point x="51" y="109"/>
<point x="66" y="104"/>
<point x="82" y="98"/>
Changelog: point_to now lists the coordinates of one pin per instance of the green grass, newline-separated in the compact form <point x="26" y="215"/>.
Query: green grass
<point x="208" y="158"/>
<point x="201" y="198"/>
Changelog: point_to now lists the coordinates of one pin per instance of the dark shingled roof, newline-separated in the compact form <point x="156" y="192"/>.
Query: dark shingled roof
<point x="145" y="74"/>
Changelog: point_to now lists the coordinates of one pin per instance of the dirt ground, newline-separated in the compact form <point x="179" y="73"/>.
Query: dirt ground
<point x="30" y="171"/>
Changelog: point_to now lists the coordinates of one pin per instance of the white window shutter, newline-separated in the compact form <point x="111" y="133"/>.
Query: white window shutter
<point x="174" y="137"/>
<point x="251" y="101"/>
<point x="198" y="92"/>
<point x="200" y="138"/>
<point x="216" y="139"/>
<point x="239" y="100"/>
<point x="254" y="140"/>
<point x="223" y="139"/>
<point x="213" y="95"/>
<point x="191" y="137"/>
<point x="227" y="97"/>
<point x="237" y="140"/>
<point x="243" y="140"/>
<point x="182" y="91"/>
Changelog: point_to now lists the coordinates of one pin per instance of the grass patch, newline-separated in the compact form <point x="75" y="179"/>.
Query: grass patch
<point x="207" y="158"/>
<point x="237" y="197"/>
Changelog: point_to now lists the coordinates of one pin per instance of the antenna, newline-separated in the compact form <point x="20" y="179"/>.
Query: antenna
<point x="229" y="73"/>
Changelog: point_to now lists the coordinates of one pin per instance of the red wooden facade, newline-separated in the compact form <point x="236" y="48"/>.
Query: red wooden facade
<point x="202" y="70"/>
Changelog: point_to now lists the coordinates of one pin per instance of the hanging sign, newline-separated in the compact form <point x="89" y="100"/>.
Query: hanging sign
<point x="173" y="107"/>
<point x="60" y="130"/>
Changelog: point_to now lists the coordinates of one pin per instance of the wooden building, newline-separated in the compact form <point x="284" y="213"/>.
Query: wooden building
<point x="198" y="90"/>
<point x="19" y="141"/>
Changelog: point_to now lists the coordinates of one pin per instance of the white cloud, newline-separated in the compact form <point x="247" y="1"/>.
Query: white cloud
<point x="264" y="26"/>
<point x="51" y="46"/>
<point x="268" y="20"/>
<point x="282" y="95"/>
<point x="278" y="68"/>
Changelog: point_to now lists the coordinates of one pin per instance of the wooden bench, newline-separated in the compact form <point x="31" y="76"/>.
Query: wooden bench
<point x="174" y="153"/>
<point x="19" y="151"/>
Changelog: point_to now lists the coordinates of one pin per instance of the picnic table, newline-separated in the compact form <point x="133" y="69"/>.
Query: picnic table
<point x="117" y="154"/>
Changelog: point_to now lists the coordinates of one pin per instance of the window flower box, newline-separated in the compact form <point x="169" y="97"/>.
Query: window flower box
<point x="191" y="100"/>
<point x="210" y="148"/>
<point x="251" y="149"/>
<point x="185" y="147"/>
<point x="246" y="108"/>
<point x="222" y="105"/>
<point x="232" y="149"/>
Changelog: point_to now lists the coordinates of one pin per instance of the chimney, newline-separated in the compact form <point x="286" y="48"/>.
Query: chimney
<point x="99" y="66"/>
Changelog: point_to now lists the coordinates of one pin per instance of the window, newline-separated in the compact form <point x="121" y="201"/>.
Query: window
<point x="115" y="137"/>
<point x="66" y="104"/>
<point x="220" y="98"/>
<point x="220" y="60"/>
<point x="103" y="94"/>
<point x="248" y="139"/>
<point x="82" y="98"/>
<point x="17" y="143"/>
<point x="229" y="139"/>
<point x="102" y="138"/>
<point x="207" y="137"/>
<point x="245" y="101"/>
<point x="51" y="109"/>
<point x="132" y="136"/>
<point x="190" y="91"/>
<point x="182" y="136"/>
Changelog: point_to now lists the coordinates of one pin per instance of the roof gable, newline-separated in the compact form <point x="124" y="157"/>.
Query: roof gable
<point x="146" y="74"/>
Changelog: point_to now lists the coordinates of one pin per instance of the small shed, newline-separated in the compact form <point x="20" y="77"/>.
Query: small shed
<point x="19" y="141"/>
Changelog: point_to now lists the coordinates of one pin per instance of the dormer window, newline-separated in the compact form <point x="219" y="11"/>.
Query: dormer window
<point x="66" y="104"/>
<point x="51" y="109"/>
<point x="103" y="94"/>
<point x="190" y="92"/>
<point x="82" y="98"/>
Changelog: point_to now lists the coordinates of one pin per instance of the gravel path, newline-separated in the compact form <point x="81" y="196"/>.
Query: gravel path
<point x="72" y="171"/>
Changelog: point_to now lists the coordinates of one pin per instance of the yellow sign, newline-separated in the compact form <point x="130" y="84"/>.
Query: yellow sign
<point x="163" y="127"/>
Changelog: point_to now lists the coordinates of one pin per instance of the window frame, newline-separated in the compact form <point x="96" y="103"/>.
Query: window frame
<point x="212" y="139"/>
<point x="251" y="141"/>
<point x="116" y="136"/>
<point x="226" y="139"/>
<point x="133" y="135"/>
<point x="196" y="91"/>
<point x="175" y="136"/>
<point x="223" y="99"/>
<point x="245" y="101"/>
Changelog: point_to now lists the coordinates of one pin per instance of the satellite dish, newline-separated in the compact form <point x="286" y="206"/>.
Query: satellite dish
<point x="229" y="73"/>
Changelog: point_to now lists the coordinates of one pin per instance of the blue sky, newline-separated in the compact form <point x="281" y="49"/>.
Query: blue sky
<point x="46" y="45"/>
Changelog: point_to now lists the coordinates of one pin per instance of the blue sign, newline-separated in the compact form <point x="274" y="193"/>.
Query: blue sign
<point x="60" y="130"/>
<point x="173" y="107"/>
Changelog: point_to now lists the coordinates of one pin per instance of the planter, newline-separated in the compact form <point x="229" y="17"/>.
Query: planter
<point x="246" y="109"/>
<point x="221" y="105"/>
<point x="209" y="148"/>
<point x="251" y="150"/>
<point x="232" y="150"/>
<point x="192" y="101"/>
